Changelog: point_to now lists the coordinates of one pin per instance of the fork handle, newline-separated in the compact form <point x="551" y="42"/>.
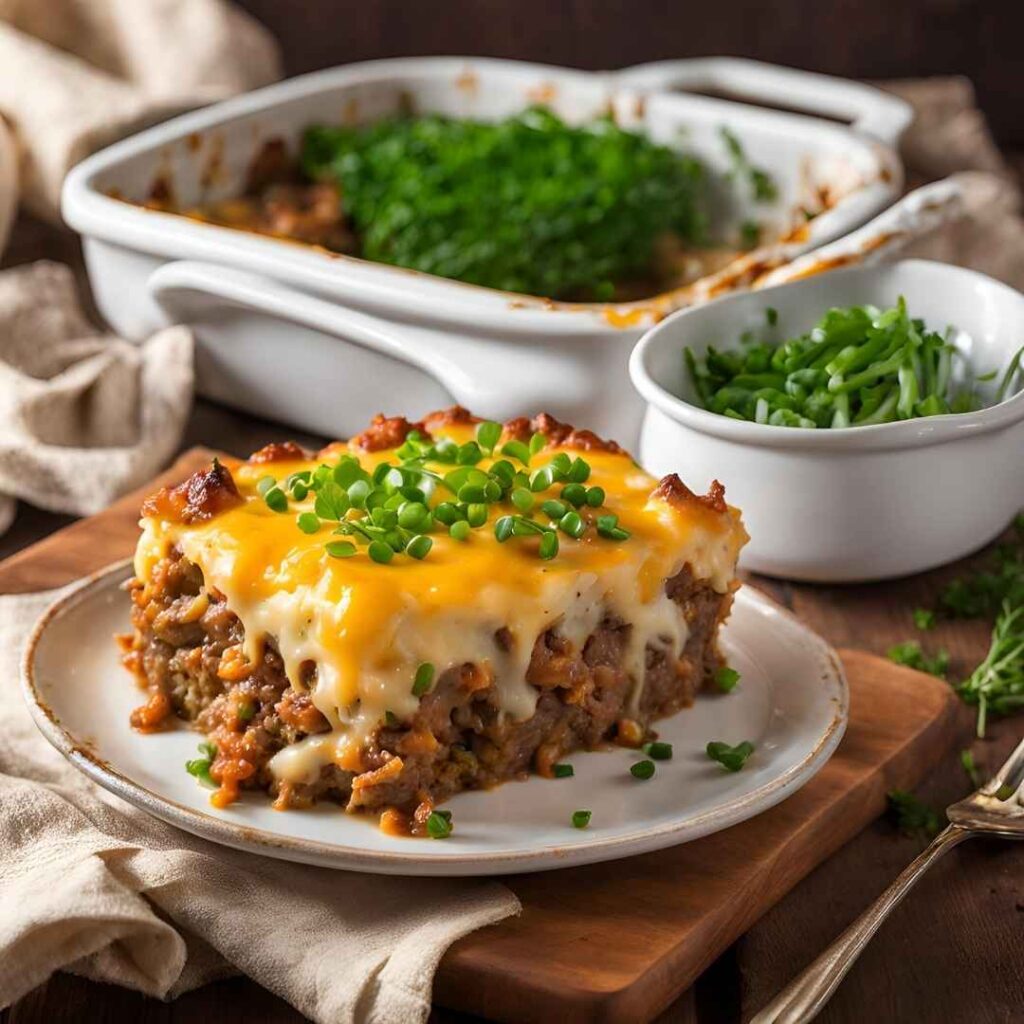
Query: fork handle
<point x="802" y="999"/>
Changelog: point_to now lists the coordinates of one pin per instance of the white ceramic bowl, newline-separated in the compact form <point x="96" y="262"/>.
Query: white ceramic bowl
<point x="864" y="502"/>
<point x="324" y="341"/>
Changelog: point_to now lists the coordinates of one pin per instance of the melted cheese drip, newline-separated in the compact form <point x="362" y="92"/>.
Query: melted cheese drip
<point x="366" y="627"/>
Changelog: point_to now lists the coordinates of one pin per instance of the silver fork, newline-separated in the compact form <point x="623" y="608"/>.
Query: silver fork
<point x="996" y="809"/>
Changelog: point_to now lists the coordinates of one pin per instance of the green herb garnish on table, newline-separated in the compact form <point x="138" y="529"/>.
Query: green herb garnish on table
<point x="858" y="366"/>
<point x="996" y="686"/>
<point x="911" y="655"/>
<point x="912" y="816"/>
<point x="529" y="204"/>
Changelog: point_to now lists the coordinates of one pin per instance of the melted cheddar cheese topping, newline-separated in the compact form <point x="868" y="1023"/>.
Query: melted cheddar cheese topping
<point x="366" y="627"/>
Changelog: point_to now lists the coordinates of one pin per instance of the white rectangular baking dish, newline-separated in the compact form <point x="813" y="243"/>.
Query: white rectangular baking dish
<point x="323" y="341"/>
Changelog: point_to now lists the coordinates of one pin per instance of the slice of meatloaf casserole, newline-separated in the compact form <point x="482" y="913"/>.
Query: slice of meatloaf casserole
<point x="430" y="607"/>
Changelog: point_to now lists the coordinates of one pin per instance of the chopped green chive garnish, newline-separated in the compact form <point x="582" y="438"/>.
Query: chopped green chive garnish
<point x="548" y="545"/>
<point x="439" y="824"/>
<point x="561" y="771"/>
<point x="580" y="819"/>
<point x="488" y="434"/>
<point x="523" y="499"/>
<point x="572" y="524"/>
<point x="642" y="770"/>
<point x="608" y="527"/>
<point x="419" y="547"/>
<point x="380" y="551"/>
<point x="517" y="450"/>
<point x="659" y="751"/>
<point x="199" y="768"/>
<point x="308" y="522"/>
<point x="276" y="499"/>
<point x="726" y="679"/>
<point x="575" y="494"/>
<point x="393" y="509"/>
<point x="730" y="758"/>
<point x="924" y="618"/>
<point x="858" y="366"/>
<point x="504" y="528"/>
<point x="423" y="679"/>
<point x="542" y="479"/>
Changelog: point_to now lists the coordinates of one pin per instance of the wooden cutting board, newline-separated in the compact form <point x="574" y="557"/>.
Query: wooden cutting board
<point x="618" y="942"/>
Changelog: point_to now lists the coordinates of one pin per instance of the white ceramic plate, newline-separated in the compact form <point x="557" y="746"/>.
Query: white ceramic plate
<point x="792" y="704"/>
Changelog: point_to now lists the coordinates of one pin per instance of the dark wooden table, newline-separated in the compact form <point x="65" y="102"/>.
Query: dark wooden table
<point x="952" y="952"/>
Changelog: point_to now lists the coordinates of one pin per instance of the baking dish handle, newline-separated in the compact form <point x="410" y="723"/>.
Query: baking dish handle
<point x="870" y="110"/>
<point x="180" y="288"/>
<point x="917" y="214"/>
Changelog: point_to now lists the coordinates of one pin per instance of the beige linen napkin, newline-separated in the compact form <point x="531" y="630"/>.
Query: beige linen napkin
<point x="92" y="885"/>
<point x="950" y="135"/>
<point x="77" y="74"/>
<point x="85" y="416"/>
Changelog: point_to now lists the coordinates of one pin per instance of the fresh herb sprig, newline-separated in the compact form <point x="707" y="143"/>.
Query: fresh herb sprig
<point x="911" y="655"/>
<point x="441" y="485"/>
<point x="528" y="204"/>
<point x="859" y="366"/>
<point x="996" y="686"/>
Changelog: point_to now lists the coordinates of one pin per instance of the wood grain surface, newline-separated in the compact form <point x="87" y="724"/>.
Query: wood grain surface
<point x="562" y="958"/>
<point x="951" y="952"/>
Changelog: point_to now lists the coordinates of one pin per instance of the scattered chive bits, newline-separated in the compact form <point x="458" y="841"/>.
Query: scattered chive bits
<point x="924" y="619"/>
<point x="199" y="767"/>
<point x="441" y="486"/>
<point x="858" y="366"/>
<point x="423" y="679"/>
<point x="642" y="770"/>
<point x="439" y="824"/>
<point x="658" y="751"/>
<point x="911" y="655"/>
<point x="730" y="758"/>
<point x="580" y="819"/>
<point x="970" y="768"/>
<point x="562" y="771"/>
<point x="726" y="679"/>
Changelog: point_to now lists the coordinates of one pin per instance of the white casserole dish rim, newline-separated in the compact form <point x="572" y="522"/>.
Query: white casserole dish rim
<point x="383" y="287"/>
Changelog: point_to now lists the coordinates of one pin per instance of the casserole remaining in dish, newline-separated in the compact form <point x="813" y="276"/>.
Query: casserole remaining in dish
<point x="429" y="608"/>
<point x="295" y="332"/>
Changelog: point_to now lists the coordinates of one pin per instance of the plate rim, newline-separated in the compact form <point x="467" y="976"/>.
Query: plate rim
<point x="341" y="856"/>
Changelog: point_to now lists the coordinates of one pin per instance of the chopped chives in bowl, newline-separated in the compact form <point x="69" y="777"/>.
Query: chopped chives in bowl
<point x="858" y="366"/>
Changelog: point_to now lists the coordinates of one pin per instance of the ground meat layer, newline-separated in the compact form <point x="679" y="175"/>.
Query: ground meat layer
<point x="186" y="651"/>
